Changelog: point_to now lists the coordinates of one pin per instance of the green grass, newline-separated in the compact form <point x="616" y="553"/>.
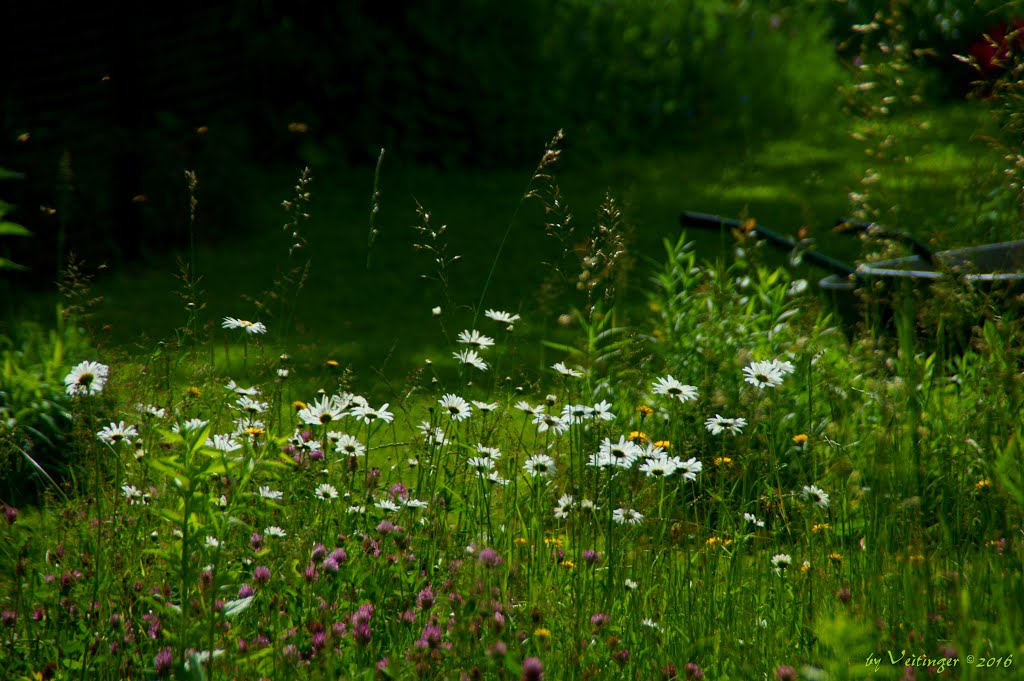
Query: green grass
<point x="381" y="317"/>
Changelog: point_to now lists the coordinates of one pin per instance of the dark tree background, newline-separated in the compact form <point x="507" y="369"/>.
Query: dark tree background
<point x="104" y="108"/>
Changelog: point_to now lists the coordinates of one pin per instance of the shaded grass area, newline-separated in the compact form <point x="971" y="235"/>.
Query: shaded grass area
<point x="378" y="317"/>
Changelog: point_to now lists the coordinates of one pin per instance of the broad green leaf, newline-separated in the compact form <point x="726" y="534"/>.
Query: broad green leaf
<point x="6" y="264"/>
<point x="238" y="606"/>
<point x="13" y="229"/>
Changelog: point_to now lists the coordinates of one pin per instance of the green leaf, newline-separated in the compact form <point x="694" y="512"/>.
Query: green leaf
<point x="8" y="228"/>
<point x="6" y="264"/>
<point x="236" y="607"/>
<point x="6" y="174"/>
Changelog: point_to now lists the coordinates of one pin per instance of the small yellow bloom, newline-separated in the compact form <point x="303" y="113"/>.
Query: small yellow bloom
<point x="644" y="410"/>
<point x="800" y="439"/>
<point x="664" y="444"/>
<point x="193" y="391"/>
<point x="712" y="542"/>
<point x="331" y="362"/>
<point x="915" y="558"/>
<point x="820" y="527"/>
<point x="982" y="485"/>
<point x="541" y="632"/>
<point x="555" y="541"/>
<point x="805" y="567"/>
<point x="522" y="541"/>
<point x="638" y="435"/>
<point x="835" y="557"/>
<point x="569" y="565"/>
<point x="253" y="431"/>
<point x="723" y="461"/>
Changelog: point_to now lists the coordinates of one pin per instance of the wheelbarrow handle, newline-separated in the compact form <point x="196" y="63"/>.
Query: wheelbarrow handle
<point x="706" y="221"/>
<point x="917" y="247"/>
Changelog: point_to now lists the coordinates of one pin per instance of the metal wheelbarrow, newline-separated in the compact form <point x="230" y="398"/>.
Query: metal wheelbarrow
<point x="988" y="268"/>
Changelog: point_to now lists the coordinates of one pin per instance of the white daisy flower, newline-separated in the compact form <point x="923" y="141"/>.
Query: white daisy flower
<point x="488" y="452"/>
<point x="223" y="443"/>
<point x="117" y="432"/>
<point x="659" y="467"/>
<point x="622" y="453"/>
<point x="691" y="467"/>
<point x="212" y="542"/>
<point x="719" y="424"/>
<point x="565" y="504"/>
<point x="815" y="495"/>
<point x="348" y="445"/>
<point x="566" y="371"/>
<point x="674" y="389"/>
<point x="763" y="375"/>
<point x="602" y="411"/>
<point x="523" y="405"/>
<point x="250" y="327"/>
<point x="481" y="465"/>
<point x="357" y="510"/>
<point x="432" y="436"/>
<point x="627" y="516"/>
<point x="387" y="505"/>
<point x="235" y="388"/>
<point x="751" y="518"/>
<point x="274" y="531"/>
<point x="475" y="339"/>
<point x="546" y="422"/>
<point x="501" y="317"/>
<point x="368" y="414"/>
<point x="325" y="492"/>
<point x="784" y="367"/>
<point x="250" y="426"/>
<point x="781" y="562"/>
<point x="797" y="287"/>
<point x="272" y="494"/>
<point x="189" y="426"/>
<point x="589" y="505"/>
<point x="282" y="373"/>
<point x="574" y="414"/>
<point x="458" y="409"/>
<point x="151" y="410"/>
<point x="249" y="405"/>
<point x="472" y="358"/>
<point x="631" y="585"/>
<point x="87" y="378"/>
<point x="496" y="479"/>
<point x="346" y="402"/>
<point x="322" y="411"/>
<point x="132" y="494"/>
<point x="540" y="465"/>
<point x="651" y="624"/>
<point x="485" y="407"/>
<point x="414" y="503"/>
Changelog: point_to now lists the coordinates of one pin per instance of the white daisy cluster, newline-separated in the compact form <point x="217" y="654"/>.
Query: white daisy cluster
<point x="117" y="433"/>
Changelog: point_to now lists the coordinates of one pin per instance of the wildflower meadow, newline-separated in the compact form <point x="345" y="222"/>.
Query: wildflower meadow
<point x="680" y="463"/>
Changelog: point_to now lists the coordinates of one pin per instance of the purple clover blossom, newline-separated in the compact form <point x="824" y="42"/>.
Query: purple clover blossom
<point x="163" y="662"/>
<point x="490" y="558"/>
<point x="245" y="591"/>
<point x="319" y="551"/>
<point x="692" y="671"/>
<point x="261" y="575"/>
<point x="533" y="669"/>
<point x="330" y="564"/>
<point x="340" y="556"/>
<point x="360" y="622"/>
<point x="256" y="541"/>
<point x="599" y="619"/>
<point x="425" y="599"/>
<point x="430" y="638"/>
<point x="591" y="557"/>
<point x="398" y="491"/>
<point x="785" y="673"/>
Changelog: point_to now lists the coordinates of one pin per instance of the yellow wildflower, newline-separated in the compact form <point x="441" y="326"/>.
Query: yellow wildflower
<point x="820" y="527"/>
<point x="664" y="444"/>
<point x="644" y="410"/>
<point x="800" y="439"/>
<point x="193" y="391"/>
<point x="638" y="435"/>
<point x="982" y="485"/>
